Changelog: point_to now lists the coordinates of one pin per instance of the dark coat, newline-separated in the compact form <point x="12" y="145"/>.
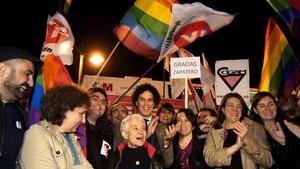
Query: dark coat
<point x="286" y="156"/>
<point x="99" y="138"/>
<point x="12" y="129"/>
<point x="115" y="159"/>
<point x="196" y="159"/>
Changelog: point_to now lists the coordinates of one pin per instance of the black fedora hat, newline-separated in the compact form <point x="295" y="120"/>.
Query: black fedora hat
<point x="10" y="52"/>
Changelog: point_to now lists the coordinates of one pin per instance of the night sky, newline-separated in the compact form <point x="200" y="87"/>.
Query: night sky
<point x="23" y="24"/>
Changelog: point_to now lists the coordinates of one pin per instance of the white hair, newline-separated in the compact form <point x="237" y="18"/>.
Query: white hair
<point x="126" y="121"/>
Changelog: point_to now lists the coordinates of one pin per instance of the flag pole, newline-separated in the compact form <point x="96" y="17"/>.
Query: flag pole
<point x="186" y="93"/>
<point x="164" y="78"/>
<point x="134" y="83"/>
<point x="108" y="58"/>
<point x="194" y="95"/>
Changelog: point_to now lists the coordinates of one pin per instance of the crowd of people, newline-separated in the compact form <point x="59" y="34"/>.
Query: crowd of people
<point x="233" y="137"/>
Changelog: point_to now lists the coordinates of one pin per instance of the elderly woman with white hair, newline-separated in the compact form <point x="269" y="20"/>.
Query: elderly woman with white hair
<point x="134" y="152"/>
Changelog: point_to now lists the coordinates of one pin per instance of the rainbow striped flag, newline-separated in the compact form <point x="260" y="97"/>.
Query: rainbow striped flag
<point x="53" y="73"/>
<point x="289" y="10"/>
<point x="281" y="70"/>
<point x="35" y="106"/>
<point x="144" y="26"/>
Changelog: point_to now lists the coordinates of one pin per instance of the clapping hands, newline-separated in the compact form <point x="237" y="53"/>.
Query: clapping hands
<point x="276" y="132"/>
<point x="241" y="129"/>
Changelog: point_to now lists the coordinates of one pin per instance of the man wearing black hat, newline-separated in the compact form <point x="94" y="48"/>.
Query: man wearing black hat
<point x="16" y="77"/>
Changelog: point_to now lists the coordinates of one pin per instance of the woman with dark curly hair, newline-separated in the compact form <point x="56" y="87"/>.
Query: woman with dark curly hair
<point x="235" y="141"/>
<point x="284" y="144"/>
<point x="52" y="142"/>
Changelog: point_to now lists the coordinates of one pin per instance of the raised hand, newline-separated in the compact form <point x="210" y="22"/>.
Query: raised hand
<point x="204" y="127"/>
<point x="241" y="129"/>
<point x="171" y="131"/>
<point x="276" y="132"/>
<point x="209" y="120"/>
<point x="152" y="126"/>
<point x="293" y="128"/>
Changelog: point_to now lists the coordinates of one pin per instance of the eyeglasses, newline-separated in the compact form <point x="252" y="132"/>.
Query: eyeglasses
<point x="233" y="107"/>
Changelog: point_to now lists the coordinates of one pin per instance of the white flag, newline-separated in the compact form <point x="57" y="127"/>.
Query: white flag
<point x="189" y="22"/>
<point x="59" y="39"/>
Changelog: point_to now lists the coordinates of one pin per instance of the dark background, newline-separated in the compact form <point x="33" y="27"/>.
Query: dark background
<point x="23" y="24"/>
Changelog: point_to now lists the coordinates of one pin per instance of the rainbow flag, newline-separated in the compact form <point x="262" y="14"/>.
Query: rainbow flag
<point x="53" y="73"/>
<point x="289" y="10"/>
<point x="35" y="107"/>
<point x="281" y="70"/>
<point x="144" y="26"/>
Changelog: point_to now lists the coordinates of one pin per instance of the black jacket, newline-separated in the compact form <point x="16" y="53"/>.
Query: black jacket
<point x="99" y="138"/>
<point x="12" y="129"/>
<point x="115" y="158"/>
<point x="196" y="159"/>
<point x="285" y="156"/>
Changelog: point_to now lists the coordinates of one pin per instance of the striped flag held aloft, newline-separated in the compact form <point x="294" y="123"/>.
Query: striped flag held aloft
<point x="281" y="70"/>
<point x="190" y="22"/>
<point x="144" y="26"/>
<point x="289" y="11"/>
<point x="53" y="73"/>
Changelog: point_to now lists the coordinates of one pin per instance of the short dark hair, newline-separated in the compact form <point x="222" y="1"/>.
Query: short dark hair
<point x="102" y="91"/>
<point x="61" y="99"/>
<point x="221" y="116"/>
<point x="141" y="89"/>
<point x="166" y="106"/>
<point x="97" y="90"/>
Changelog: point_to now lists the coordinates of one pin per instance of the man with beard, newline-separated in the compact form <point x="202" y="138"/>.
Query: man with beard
<point x="16" y="77"/>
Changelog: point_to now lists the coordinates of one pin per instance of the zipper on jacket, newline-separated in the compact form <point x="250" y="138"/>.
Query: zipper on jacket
<point x="118" y="163"/>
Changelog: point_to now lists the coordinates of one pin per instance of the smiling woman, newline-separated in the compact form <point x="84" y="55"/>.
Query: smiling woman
<point x="52" y="142"/>
<point x="284" y="144"/>
<point x="241" y="136"/>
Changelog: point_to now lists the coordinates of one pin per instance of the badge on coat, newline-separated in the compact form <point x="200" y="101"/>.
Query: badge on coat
<point x="18" y="125"/>
<point x="105" y="148"/>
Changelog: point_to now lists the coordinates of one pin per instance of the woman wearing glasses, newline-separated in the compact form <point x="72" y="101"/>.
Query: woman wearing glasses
<point x="235" y="141"/>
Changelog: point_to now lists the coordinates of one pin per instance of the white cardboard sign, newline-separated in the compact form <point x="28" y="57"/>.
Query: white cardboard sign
<point x="232" y="76"/>
<point x="185" y="67"/>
